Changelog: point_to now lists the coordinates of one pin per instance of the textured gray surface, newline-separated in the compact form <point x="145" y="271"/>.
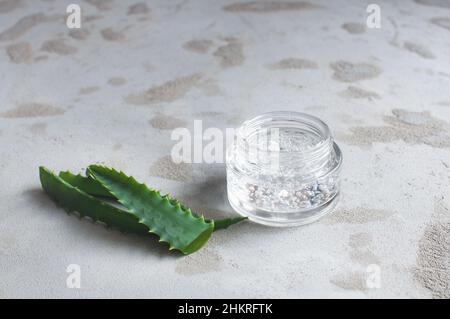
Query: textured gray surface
<point x="113" y="91"/>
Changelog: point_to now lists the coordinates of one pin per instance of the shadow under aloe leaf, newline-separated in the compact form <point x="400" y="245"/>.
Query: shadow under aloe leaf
<point x="99" y="231"/>
<point x="209" y="192"/>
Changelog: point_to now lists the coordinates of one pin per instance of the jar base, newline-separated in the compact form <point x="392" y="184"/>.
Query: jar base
<point x="284" y="219"/>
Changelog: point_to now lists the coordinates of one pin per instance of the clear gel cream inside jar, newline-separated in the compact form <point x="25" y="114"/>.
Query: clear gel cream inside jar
<point x="283" y="169"/>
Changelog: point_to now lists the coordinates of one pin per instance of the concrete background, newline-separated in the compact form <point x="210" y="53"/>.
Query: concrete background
<point x="112" y="92"/>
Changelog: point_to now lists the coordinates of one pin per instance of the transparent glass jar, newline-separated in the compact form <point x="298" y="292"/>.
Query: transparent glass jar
<point x="283" y="169"/>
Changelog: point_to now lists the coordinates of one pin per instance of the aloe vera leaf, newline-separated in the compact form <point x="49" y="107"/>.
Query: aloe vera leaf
<point x="73" y="199"/>
<point x="86" y="184"/>
<point x="179" y="228"/>
<point x="95" y="188"/>
<point x="227" y="222"/>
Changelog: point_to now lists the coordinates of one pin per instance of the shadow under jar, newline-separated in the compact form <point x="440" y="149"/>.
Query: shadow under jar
<point x="283" y="169"/>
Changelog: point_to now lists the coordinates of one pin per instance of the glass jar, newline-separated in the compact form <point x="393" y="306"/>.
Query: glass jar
<point x="283" y="169"/>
